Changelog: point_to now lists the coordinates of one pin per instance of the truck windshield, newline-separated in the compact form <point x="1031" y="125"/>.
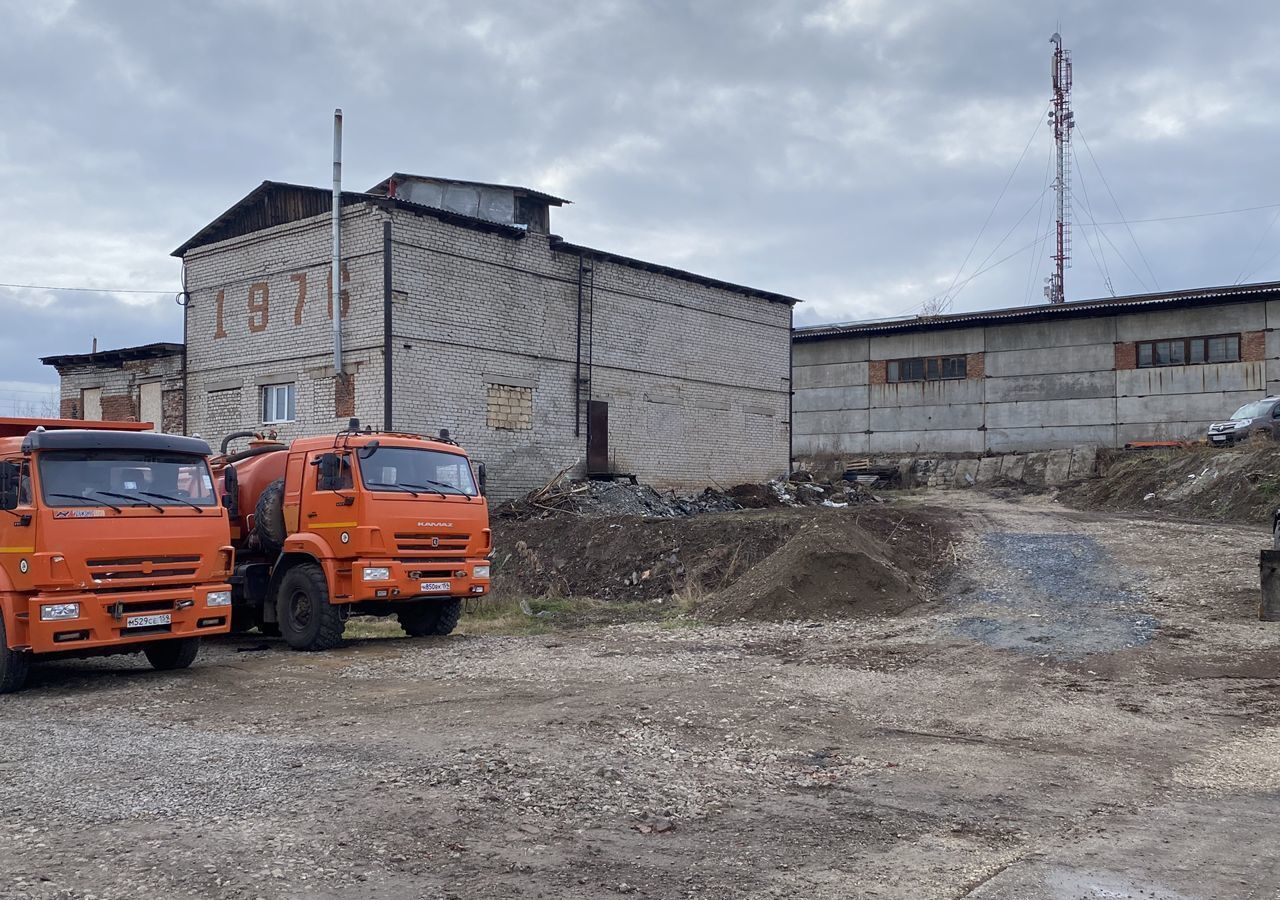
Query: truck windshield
<point x="1251" y="410"/>
<point x="402" y="469"/>
<point x="124" y="478"/>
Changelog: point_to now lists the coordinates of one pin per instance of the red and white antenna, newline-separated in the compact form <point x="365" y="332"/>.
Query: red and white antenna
<point x="1061" y="118"/>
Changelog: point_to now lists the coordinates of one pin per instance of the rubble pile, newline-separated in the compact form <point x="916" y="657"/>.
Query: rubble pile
<point x="607" y="499"/>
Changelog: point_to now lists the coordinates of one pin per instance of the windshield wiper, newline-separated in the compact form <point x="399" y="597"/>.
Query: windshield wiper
<point x="384" y="484"/>
<point x="196" y="506"/>
<point x="441" y="484"/>
<point x="83" y="500"/>
<point x="132" y="497"/>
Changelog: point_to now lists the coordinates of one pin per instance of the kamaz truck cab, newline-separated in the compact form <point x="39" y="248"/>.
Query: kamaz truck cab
<point x="112" y="540"/>
<point x="361" y="522"/>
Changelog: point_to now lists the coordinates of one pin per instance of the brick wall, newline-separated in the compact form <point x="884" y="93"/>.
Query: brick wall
<point x="696" y="378"/>
<point x="1126" y="355"/>
<point x="975" y="365"/>
<point x="1253" y="346"/>
<point x="877" y="372"/>
<point x="121" y="384"/>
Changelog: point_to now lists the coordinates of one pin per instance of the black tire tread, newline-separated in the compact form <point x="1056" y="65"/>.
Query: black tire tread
<point x="431" y="617"/>
<point x="330" y="624"/>
<point x="268" y="517"/>
<point x="175" y="653"/>
<point x="14" y="665"/>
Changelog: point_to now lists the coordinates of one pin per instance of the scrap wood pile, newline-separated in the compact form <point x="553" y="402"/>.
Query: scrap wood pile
<point x="597" y="499"/>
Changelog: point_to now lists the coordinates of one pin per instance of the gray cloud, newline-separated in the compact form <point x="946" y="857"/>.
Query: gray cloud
<point x="843" y="151"/>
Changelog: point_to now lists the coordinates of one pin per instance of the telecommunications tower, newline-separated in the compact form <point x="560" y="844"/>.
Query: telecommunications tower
<point x="1061" y="119"/>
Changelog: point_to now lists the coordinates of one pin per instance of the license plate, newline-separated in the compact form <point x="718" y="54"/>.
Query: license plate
<point x="434" y="587"/>
<point x="1219" y="437"/>
<point x="148" y="621"/>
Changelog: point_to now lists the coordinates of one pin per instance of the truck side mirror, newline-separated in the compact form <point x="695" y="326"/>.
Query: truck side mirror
<point x="368" y="449"/>
<point x="482" y="475"/>
<point x="329" y="466"/>
<point x="9" y="480"/>
<point x="231" y="491"/>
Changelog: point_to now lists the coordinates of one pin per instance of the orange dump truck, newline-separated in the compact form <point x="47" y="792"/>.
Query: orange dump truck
<point x="358" y="523"/>
<point x="115" y="542"/>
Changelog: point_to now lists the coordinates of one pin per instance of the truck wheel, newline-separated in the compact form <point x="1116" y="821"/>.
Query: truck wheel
<point x="14" y="665"/>
<point x="308" y="621"/>
<point x="268" y="518"/>
<point x="166" y="656"/>
<point x="426" y="617"/>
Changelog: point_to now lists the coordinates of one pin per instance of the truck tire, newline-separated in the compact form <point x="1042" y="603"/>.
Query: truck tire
<point x="179" y="653"/>
<point x="14" y="665"/>
<point x="308" y="621"/>
<point x="427" y="617"/>
<point x="268" y="518"/>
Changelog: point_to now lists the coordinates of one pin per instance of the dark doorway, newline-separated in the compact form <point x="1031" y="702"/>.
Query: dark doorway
<point x="597" y="437"/>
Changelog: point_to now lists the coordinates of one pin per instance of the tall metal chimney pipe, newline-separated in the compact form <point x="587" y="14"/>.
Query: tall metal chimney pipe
<point x="336" y="293"/>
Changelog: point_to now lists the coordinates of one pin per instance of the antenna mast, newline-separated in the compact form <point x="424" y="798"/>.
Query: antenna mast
<point x="1063" y="121"/>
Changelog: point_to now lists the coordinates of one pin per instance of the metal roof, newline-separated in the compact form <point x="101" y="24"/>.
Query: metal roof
<point x="279" y="202"/>
<point x="380" y="189"/>
<point x="560" y="245"/>
<point x="114" y="358"/>
<point x="1107" y="306"/>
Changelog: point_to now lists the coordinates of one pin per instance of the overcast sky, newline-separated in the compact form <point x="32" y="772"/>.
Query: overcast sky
<point x="846" y="152"/>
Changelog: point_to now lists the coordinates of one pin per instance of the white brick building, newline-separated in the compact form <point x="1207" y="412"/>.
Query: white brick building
<point x="535" y="353"/>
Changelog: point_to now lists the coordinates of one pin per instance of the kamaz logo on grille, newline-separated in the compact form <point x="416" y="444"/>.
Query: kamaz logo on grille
<point x="435" y="524"/>
<point x="435" y="542"/>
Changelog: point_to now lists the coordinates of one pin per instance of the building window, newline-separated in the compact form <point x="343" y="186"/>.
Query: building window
<point x="509" y="407"/>
<point x="1196" y="351"/>
<point x="926" y="368"/>
<point x="278" y="403"/>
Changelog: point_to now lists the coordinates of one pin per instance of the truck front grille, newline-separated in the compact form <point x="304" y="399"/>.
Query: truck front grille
<point x="135" y="568"/>
<point x="431" y="543"/>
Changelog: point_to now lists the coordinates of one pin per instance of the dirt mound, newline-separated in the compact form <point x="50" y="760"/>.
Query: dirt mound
<point x="827" y="570"/>
<point x="1238" y="484"/>
<point x="770" y="564"/>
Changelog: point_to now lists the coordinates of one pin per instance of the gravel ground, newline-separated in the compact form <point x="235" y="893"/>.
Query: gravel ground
<point x="1134" y="752"/>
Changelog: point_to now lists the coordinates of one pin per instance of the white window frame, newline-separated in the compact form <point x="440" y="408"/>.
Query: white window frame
<point x="274" y="412"/>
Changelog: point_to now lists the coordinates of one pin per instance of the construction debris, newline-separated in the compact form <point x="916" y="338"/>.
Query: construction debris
<point x="601" y="499"/>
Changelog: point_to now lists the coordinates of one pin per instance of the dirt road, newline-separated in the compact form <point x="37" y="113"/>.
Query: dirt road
<point x="1090" y="710"/>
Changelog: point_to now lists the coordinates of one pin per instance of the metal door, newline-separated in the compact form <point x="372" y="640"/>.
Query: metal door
<point x="597" y="437"/>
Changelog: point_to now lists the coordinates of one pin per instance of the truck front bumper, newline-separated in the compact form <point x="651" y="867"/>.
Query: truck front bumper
<point x="418" y="578"/>
<point x="102" y="621"/>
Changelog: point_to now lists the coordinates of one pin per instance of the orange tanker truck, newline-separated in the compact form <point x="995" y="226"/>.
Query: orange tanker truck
<point x="115" y="542"/>
<point x="358" y="523"/>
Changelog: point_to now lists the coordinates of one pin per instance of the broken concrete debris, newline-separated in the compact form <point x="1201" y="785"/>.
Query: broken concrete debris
<point x="606" y="499"/>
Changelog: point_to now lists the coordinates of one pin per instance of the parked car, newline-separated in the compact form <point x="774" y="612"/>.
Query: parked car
<point x="1259" y="417"/>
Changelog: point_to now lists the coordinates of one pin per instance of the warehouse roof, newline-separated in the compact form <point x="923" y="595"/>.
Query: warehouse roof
<point x="559" y="244"/>
<point x="114" y="358"/>
<point x="1108" y="306"/>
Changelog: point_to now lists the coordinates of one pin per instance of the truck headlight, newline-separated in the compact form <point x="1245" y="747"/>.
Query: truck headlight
<point x="217" y="598"/>
<point x="376" y="573"/>
<point x="480" y="571"/>
<point x="53" y="612"/>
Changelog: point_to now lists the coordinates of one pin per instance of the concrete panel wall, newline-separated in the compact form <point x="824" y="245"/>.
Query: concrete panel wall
<point x="1177" y="323"/>
<point x="1051" y="360"/>
<point x="1042" y="385"/>
<point x="928" y="343"/>
<point x="1044" y="388"/>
